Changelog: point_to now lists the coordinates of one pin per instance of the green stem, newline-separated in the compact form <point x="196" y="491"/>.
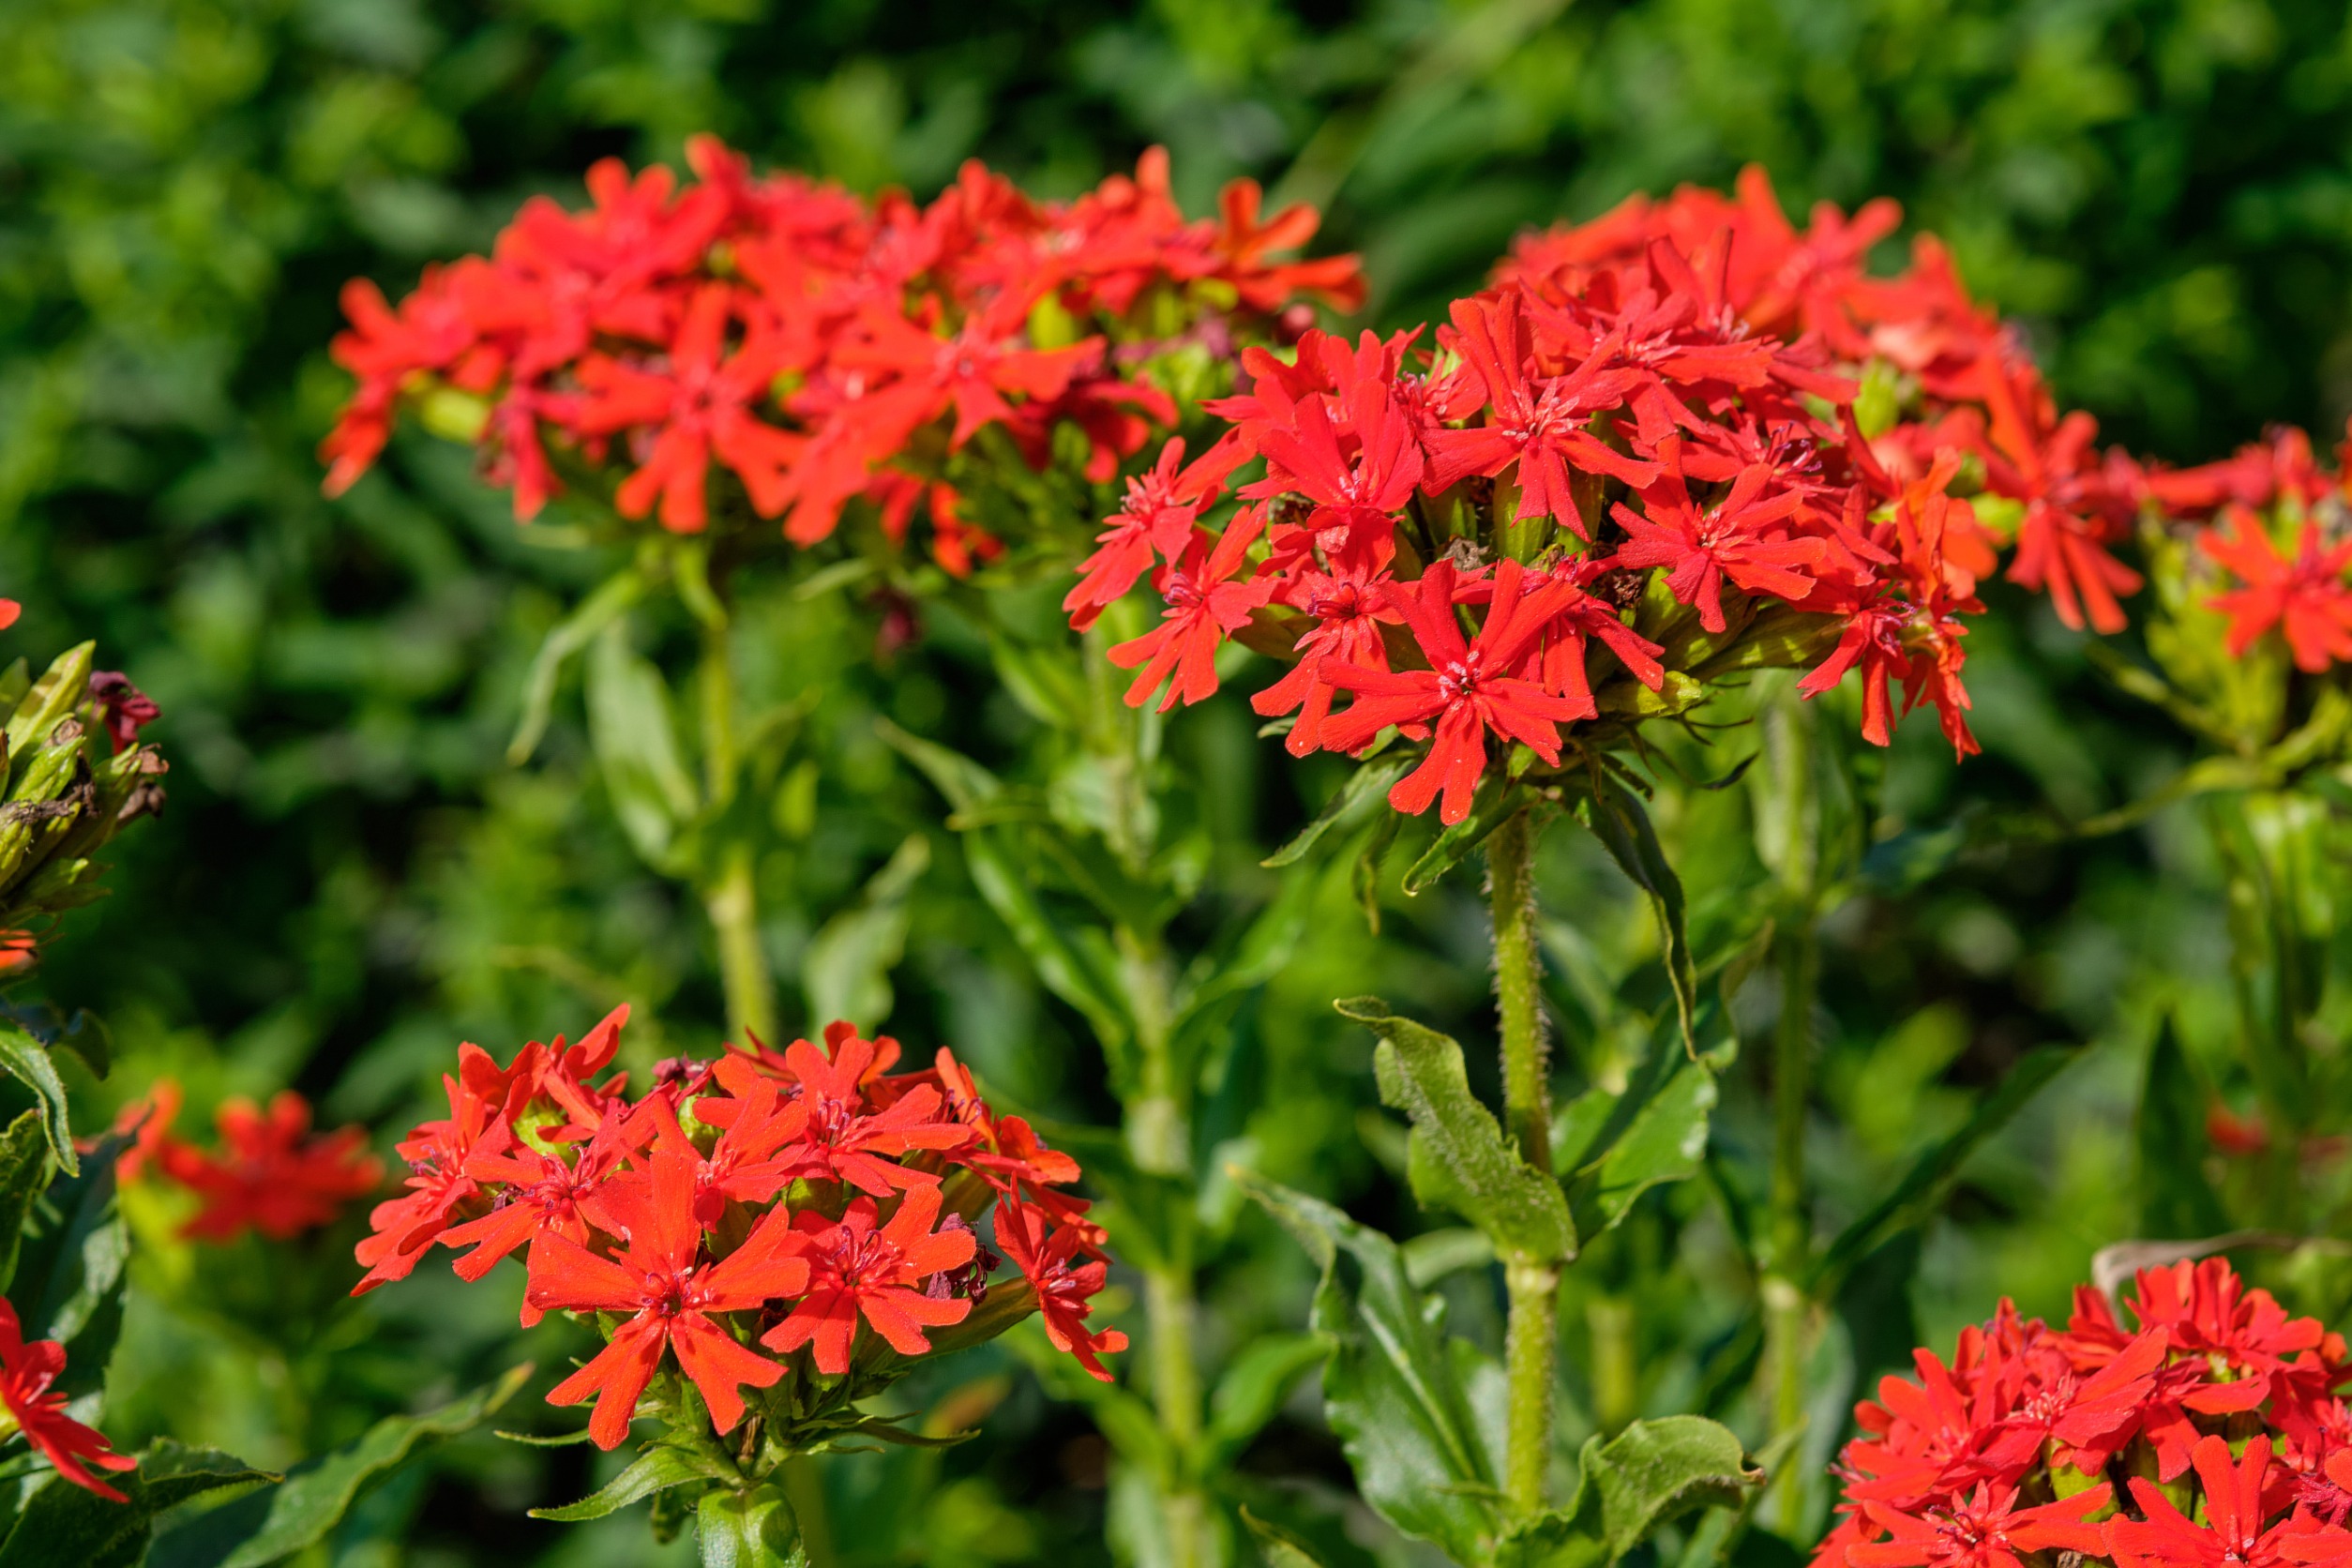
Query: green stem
<point x="1532" y="1339"/>
<point x="732" y="901"/>
<point x="1159" y="1140"/>
<point x="1788" y="1312"/>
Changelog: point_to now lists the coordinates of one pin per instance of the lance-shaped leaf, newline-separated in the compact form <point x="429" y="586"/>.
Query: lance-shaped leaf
<point x="1666" y="1141"/>
<point x="1619" y="820"/>
<point x="661" y="1467"/>
<point x="1654" y="1472"/>
<point x="1253" y="1388"/>
<point x="24" y="1173"/>
<point x="631" y="723"/>
<point x="2175" y="1196"/>
<point x="62" y="1525"/>
<point x="315" y="1497"/>
<point x="1277" y="1545"/>
<point x="1497" y="802"/>
<point x="845" y="969"/>
<point x="1351" y="805"/>
<point x="1390" y="1389"/>
<point x="1064" y="966"/>
<point x="72" y="1267"/>
<point x="599" y="610"/>
<point x="27" y="1059"/>
<point x="1421" y="1072"/>
<point x="1920" y="1193"/>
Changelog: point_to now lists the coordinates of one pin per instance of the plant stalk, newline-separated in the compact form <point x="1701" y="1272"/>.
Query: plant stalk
<point x="1159" y="1140"/>
<point x="1532" y="1338"/>
<point x="1788" y="1311"/>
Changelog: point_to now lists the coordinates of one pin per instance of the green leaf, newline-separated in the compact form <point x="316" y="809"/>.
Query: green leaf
<point x="1421" y="1072"/>
<point x="1654" y="1471"/>
<point x="1497" y="802"/>
<point x="661" y="1467"/>
<point x="23" y="1174"/>
<point x="64" y="1525"/>
<point x="1253" y="1388"/>
<point x="631" y="724"/>
<point x="1619" y="820"/>
<point x="1665" y="1141"/>
<point x="747" y="1530"/>
<point x="27" y="1061"/>
<point x="1390" y="1389"/>
<point x="845" y="969"/>
<point x="316" y="1496"/>
<point x="71" y="1268"/>
<point x="1921" y="1192"/>
<point x="1352" y="803"/>
<point x="964" y="782"/>
<point x="1277" y="1545"/>
<point x="2175" y="1197"/>
<point x="612" y="599"/>
<point x="1064" y="967"/>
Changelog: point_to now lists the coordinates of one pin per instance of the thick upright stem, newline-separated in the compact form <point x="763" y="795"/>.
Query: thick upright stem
<point x="1532" y="1340"/>
<point x="1527" y="1094"/>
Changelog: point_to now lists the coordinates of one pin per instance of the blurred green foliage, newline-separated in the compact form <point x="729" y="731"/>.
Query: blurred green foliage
<point x="349" y="878"/>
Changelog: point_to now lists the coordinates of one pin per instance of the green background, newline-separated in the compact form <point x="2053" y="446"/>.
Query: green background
<point x="349" y="878"/>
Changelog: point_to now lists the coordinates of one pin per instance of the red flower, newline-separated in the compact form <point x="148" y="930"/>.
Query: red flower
<point x="38" y="1410"/>
<point x="1204" y="606"/>
<point x="2049" y="464"/>
<point x="437" y="1153"/>
<point x="971" y="373"/>
<point x="1985" y="1530"/>
<point x="1345" y="608"/>
<point x="543" y="1196"/>
<point x="270" y="1173"/>
<point x="1157" y="517"/>
<point x="831" y="1136"/>
<point x="1064" y="1294"/>
<point x="1355" y="498"/>
<point x="1538" y="428"/>
<point x="856" y="1269"/>
<point x="2306" y="598"/>
<point x="1745" y="538"/>
<point x="699" y="406"/>
<point x="2237" y="1499"/>
<point x="1467" y="691"/>
<point x="661" y="1280"/>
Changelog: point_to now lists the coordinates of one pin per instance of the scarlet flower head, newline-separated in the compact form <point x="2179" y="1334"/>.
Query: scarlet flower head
<point x="36" y="1409"/>
<point x="269" y="1172"/>
<point x="1946" y="1466"/>
<point x="774" y="346"/>
<point x="807" y="1202"/>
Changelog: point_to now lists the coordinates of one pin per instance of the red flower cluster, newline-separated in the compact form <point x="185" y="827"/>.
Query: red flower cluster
<point x="2100" y="1438"/>
<point x="269" y="1172"/>
<point x="807" y="1198"/>
<point x="1666" y="393"/>
<point x="1966" y="383"/>
<point x="2240" y="512"/>
<point x="34" y="1407"/>
<point x="815" y="346"/>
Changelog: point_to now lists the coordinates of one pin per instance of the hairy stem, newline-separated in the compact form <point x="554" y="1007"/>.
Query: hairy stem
<point x="1532" y="1339"/>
